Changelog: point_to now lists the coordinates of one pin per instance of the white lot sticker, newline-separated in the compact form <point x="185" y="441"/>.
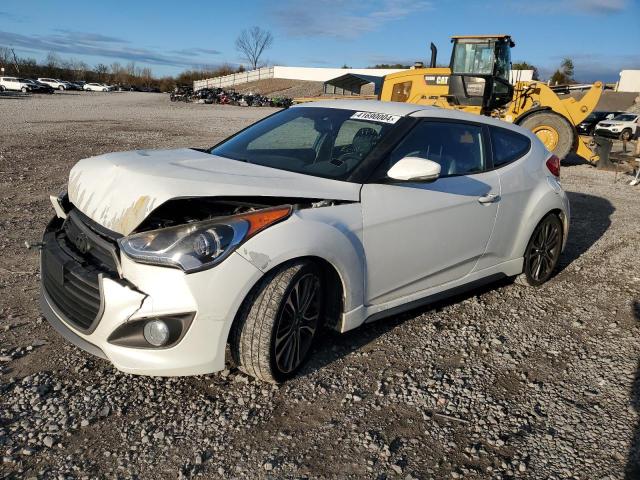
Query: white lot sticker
<point x="376" y="117"/>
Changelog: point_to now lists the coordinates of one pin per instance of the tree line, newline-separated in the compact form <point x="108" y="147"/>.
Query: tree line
<point x="70" y="69"/>
<point x="250" y="44"/>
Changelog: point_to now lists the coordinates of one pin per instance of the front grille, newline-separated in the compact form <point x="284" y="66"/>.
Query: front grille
<point x="73" y="258"/>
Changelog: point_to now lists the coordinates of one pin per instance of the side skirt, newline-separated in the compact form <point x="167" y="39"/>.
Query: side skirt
<point x="371" y="313"/>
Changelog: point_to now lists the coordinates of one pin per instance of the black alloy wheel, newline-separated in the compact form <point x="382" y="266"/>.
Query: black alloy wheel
<point x="543" y="251"/>
<point x="297" y="323"/>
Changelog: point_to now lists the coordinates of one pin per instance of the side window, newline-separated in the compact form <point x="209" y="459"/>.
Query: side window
<point x="457" y="147"/>
<point x="507" y="146"/>
<point x="401" y="92"/>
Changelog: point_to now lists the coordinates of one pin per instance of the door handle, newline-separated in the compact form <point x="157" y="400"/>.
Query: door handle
<point x="489" y="198"/>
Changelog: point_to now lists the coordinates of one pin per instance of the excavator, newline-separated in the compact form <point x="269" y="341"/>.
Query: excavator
<point x="477" y="81"/>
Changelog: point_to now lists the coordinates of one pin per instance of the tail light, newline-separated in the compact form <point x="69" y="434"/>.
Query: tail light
<point x="553" y="164"/>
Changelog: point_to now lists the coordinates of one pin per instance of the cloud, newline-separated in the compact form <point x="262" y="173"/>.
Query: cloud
<point x="591" y="67"/>
<point x="602" y="6"/>
<point x="12" y="17"/>
<point x="84" y="43"/>
<point x="574" y="7"/>
<point x="342" y="19"/>
<point x="85" y="37"/>
<point x="195" y="51"/>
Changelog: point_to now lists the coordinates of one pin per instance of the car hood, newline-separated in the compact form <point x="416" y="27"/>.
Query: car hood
<point x="613" y="123"/>
<point x="119" y="190"/>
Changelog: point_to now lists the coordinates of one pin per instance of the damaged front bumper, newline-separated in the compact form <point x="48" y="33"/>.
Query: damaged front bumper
<point x="86" y="301"/>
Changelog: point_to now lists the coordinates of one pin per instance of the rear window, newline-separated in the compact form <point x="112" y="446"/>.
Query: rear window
<point x="507" y="146"/>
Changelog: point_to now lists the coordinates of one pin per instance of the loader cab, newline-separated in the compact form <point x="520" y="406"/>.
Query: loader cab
<point x="480" y="67"/>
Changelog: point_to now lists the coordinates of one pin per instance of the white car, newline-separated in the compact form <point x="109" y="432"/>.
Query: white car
<point x="15" y="84"/>
<point x="55" y="83"/>
<point x="324" y="215"/>
<point x="96" y="87"/>
<point x="622" y="126"/>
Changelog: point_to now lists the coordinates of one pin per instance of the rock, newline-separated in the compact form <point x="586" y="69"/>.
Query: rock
<point x="268" y="466"/>
<point x="48" y="441"/>
<point x="396" y="468"/>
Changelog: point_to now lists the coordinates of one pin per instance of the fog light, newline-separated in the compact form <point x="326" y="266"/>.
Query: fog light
<point x="156" y="332"/>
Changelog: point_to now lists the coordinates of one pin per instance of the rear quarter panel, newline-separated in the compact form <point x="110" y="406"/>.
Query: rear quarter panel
<point x="527" y="195"/>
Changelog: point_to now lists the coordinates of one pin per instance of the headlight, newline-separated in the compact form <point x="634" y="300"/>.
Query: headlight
<point x="199" y="245"/>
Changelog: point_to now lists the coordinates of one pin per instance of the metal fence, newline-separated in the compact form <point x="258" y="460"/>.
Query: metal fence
<point x="234" y="79"/>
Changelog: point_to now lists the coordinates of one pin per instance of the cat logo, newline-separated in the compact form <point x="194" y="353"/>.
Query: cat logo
<point x="436" y="79"/>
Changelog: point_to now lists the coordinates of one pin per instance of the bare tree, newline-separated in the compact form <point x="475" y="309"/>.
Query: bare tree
<point x="101" y="69"/>
<point x="252" y="43"/>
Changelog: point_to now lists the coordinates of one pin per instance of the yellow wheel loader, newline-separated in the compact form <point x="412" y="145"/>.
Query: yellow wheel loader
<point x="477" y="81"/>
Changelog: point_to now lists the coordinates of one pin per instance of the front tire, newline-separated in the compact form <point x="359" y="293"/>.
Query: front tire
<point x="626" y="135"/>
<point x="61" y="88"/>
<point x="553" y="130"/>
<point x="279" y="322"/>
<point x="24" y="89"/>
<point x="542" y="253"/>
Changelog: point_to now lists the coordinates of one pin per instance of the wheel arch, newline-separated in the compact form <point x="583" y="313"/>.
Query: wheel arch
<point x="525" y="234"/>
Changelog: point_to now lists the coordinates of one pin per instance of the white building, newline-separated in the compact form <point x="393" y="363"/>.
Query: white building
<point x="629" y="81"/>
<point x="313" y="74"/>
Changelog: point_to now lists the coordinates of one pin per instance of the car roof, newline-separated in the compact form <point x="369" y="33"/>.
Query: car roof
<point x="413" y="110"/>
<point x="390" y="108"/>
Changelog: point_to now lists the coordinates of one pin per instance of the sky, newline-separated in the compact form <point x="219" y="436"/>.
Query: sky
<point x="601" y="36"/>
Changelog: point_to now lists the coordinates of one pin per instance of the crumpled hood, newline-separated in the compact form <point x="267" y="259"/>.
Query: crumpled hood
<point x="119" y="190"/>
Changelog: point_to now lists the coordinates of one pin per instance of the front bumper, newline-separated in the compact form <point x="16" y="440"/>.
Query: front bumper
<point x="602" y="132"/>
<point x="145" y="291"/>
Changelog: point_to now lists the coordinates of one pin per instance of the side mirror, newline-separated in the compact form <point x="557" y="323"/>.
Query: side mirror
<point x="415" y="169"/>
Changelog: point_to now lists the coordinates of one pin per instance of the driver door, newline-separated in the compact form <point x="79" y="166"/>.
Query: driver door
<point x="418" y="235"/>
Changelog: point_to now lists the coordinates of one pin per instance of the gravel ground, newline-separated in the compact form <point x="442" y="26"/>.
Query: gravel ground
<point x="506" y="382"/>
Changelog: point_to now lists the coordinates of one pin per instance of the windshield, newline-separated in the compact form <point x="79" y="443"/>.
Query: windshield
<point x="473" y="58"/>
<point x="324" y="142"/>
<point x="625" y="118"/>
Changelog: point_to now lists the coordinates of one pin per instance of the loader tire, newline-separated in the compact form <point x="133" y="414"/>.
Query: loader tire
<point x="553" y="130"/>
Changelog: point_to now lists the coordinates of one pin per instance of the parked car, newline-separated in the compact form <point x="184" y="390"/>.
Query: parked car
<point x="97" y="87"/>
<point x="588" y="125"/>
<point x="15" y="84"/>
<point x="55" y="83"/>
<point x="325" y="215"/>
<point x="38" y="87"/>
<point x="127" y="88"/>
<point x="622" y="126"/>
<point x="76" y="85"/>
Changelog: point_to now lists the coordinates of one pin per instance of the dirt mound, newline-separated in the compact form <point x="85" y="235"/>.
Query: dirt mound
<point x="282" y="87"/>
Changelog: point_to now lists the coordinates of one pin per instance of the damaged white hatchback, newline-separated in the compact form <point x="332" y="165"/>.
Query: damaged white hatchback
<point x="324" y="215"/>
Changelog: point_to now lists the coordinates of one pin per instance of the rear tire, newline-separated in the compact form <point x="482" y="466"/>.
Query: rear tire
<point x="61" y="88"/>
<point x="278" y="323"/>
<point x="24" y="89"/>
<point x="542" y="253"/>
<point x="553" y="130"/>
